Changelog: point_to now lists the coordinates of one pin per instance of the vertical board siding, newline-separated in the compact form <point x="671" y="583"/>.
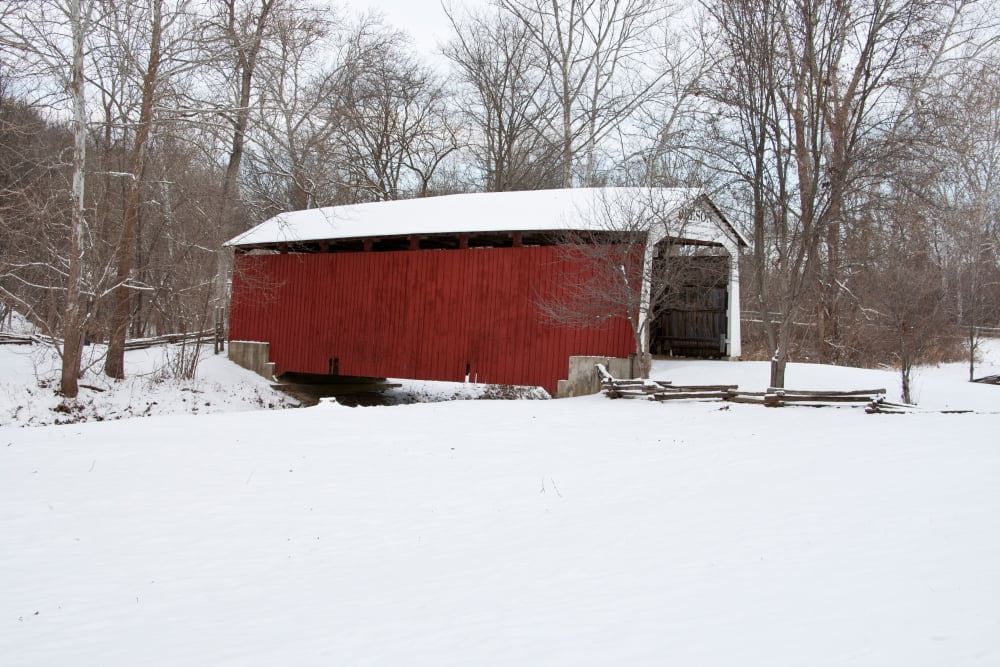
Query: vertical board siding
<point x="421" y="314"/>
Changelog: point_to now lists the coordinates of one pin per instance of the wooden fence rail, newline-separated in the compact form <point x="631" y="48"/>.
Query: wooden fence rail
<point x="26" y="339"/>
<point x="206" y="336"/>
<point x="774" y="397"/>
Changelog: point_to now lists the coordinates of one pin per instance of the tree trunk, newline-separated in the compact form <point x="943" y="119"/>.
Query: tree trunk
<point x="643" y="358"/>
<point x="779" y="359"/>
<point x="778" y="364"/>
<point x="905" y="363"/>
<point x="247" y="58"/>
<point x="73" y="317"/>
<point x="114" y="365"/>
<point x="972" y="353"/>
<point x="905" y="376"/>
<point x="567" y="131"/>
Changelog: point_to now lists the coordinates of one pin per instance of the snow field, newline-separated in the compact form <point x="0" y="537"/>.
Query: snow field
<point x="575" y="532"/>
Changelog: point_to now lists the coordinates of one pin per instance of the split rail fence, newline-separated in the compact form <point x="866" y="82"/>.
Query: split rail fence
<point x="873" y="400"/>
<point x="213" y="335"/>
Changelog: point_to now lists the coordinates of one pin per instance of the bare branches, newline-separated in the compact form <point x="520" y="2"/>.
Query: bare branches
<point x="642" y="259"/>
<point x="818" y="93"/>
<point x="594" y="51"/>
<point x="506" y="100"/>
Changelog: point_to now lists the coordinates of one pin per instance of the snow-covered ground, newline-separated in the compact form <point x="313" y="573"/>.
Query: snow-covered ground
<point x="944" y="387"/>
<point x="29" y="375"/>
<point x="577" y="532"/>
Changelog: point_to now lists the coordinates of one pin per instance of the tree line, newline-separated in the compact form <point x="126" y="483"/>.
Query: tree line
<point x="858" y="142"/>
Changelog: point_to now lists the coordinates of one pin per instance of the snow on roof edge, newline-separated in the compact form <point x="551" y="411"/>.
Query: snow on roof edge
<point x="533" y="210"/>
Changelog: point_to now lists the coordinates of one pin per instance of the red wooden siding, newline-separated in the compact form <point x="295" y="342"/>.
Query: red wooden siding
<point x="421" y="314"/>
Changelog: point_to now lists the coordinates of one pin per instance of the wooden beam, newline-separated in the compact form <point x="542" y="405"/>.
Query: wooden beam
<point x="805" y="392"/>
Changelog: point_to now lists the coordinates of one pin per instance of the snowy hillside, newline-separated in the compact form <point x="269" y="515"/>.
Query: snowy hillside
<point x="558" y="533"/>
<point x="30" y="373"/>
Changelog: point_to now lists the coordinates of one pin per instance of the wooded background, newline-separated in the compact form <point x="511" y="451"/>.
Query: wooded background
<point x="857" y="141"/>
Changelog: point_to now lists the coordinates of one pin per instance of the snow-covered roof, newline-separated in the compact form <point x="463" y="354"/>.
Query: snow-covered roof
<point x="536" y="210"/>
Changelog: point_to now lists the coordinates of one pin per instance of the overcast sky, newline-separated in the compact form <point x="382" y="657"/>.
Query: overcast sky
<point x="425" y="20"/>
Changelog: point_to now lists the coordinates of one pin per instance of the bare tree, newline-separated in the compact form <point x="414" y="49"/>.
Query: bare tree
<point x="594" y="51"/>
<point x="662" y="144"/>
<point x="332" y="130"/>
<point x="177" y="249"/>
<point x="244" y="27"/>
<point x="441" y="136"/>
<point x="506" y="100"/>
<point x="815" y="92"/>
<point x="297" y="95"/>
<point x="34" y="211"/>
<point x="758" y="154"/>
<point x="159" y="51"/>
<point x="239" y="33"/>
<point x="641" y="258"/>
<point x="396" y="126"/>
<point x="903" y="292"/>
<point x="965" y="118"/>
<point x="50" y="38"/>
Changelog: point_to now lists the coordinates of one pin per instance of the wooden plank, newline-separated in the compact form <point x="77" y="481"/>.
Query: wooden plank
<point x="11" y="339"/>
<point x="807" y="392"/>
<point x="745" y="398"/>
<point x="878" y="408"/>
<point x="823" y="398"/>
<point x="887" y="408"/>
<point x="627" y="390"/>
<point x="703" y="387"/>
<point x="624" y="394"/>
<point x="702" y="395"/>
<point x="882" y="403"/>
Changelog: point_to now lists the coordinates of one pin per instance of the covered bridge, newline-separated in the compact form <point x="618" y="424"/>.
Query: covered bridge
<point x="451" y="288"/>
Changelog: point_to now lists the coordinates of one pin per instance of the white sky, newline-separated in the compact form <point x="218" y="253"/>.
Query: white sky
<point x="425" y="20"/>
